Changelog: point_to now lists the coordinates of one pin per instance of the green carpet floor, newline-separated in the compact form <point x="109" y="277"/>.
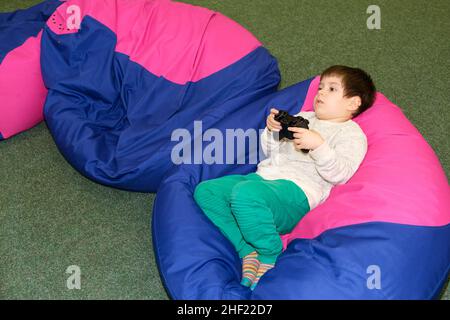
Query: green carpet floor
<point x="51" y="217"/>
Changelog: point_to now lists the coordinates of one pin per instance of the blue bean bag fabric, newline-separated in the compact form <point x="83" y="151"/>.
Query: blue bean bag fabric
<point x="16" y="27"/>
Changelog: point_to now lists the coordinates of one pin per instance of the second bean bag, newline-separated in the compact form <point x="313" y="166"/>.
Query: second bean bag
<point x="136" y="71"/>
<point x="22" y="89"/>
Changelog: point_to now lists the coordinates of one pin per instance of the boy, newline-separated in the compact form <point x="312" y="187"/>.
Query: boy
<point x="252" y="210"/>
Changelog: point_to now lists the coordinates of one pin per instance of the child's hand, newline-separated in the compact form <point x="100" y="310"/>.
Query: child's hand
<point x="306" y="139"/>
<point x="273" y="125"/>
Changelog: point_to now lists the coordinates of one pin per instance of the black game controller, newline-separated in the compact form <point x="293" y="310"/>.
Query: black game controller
<point x="287" y="121"/>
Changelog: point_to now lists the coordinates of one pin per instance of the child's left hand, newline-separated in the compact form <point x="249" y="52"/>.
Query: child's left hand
<point x="306" y="139"/>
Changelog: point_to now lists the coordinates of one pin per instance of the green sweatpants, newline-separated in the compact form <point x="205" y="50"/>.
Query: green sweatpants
<point x="251" y="211"/>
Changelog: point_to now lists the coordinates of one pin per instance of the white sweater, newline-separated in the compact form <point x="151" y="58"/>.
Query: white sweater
<point x="334" y="162"/>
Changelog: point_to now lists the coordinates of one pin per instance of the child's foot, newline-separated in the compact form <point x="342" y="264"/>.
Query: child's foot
<point x="250" y="264"/>
<point x="263" y="268"/>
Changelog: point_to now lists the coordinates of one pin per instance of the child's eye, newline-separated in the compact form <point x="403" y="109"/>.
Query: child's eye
<point x="332" y="89"/>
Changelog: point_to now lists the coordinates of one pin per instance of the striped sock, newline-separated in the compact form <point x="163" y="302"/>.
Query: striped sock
<point x="263" y="268"/>
<point x="250" y="264"/>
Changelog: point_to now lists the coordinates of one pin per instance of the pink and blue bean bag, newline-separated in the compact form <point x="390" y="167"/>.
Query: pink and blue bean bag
<point x="385" y="234"/>
<point x="118" y="86"/>
<point x="22" y="90"/>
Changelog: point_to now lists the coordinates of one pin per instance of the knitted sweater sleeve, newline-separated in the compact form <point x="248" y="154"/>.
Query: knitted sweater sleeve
<point x="338" y="163"/>
<point x="269" y="143"/>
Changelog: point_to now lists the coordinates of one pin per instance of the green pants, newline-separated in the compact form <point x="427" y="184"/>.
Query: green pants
<point x="251" y="211"/>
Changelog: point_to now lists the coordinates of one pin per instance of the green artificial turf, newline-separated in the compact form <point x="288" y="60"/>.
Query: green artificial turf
<point x="51" y="217"/>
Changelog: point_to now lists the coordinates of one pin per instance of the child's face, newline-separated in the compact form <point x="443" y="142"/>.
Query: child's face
<point x="330" y="103"/>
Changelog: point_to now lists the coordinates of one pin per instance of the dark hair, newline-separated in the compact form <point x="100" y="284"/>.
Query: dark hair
<point x="356" y="82"/>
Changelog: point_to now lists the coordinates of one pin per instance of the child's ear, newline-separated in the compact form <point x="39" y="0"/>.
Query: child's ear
<point x="354" y="104"/>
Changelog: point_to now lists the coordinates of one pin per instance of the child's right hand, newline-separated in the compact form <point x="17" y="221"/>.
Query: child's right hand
<point x="273" y="125"/>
